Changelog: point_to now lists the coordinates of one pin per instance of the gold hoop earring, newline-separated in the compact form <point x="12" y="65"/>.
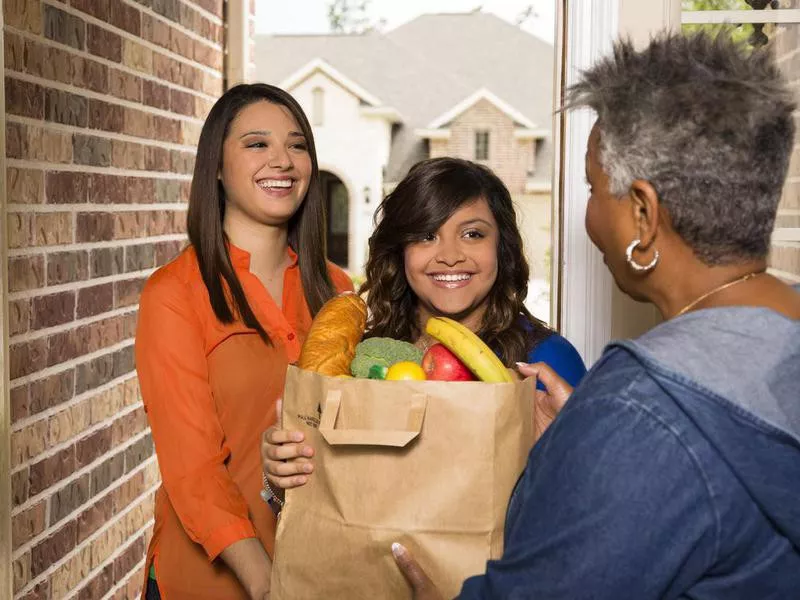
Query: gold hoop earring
<point x="636" y="266"/>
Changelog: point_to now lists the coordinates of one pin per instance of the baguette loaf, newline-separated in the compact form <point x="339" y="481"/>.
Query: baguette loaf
<point x="334" y="334"/>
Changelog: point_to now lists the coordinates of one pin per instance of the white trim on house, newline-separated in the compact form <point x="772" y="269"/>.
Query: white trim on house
<point x="586" y="290"/>
<point x="532" y="134"/>
<point x="481" y="94"/>
<point x="703" y="17"/>
<point x="538" y="187"/>
<point x="391" y="114"/>
<point x="433" y="134"/>
<point x="786" y="234"/>
<point x="322" y="66"/>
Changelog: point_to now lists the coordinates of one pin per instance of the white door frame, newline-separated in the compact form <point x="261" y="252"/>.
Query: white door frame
<point x="590" y="311"/>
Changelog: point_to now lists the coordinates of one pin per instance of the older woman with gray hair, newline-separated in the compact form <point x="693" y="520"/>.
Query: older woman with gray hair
<point x="673" y="470"/>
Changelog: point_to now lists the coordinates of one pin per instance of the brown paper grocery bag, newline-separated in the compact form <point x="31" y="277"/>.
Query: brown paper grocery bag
<point x="426" y="463"/>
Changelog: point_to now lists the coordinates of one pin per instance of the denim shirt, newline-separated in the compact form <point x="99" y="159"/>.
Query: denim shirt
<point x="673" y="472"/>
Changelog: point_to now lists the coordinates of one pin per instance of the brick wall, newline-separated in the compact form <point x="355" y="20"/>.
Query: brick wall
<point x="104" y="104"/>
<point x="509" y="158"/>
<point x="785" y="256"/>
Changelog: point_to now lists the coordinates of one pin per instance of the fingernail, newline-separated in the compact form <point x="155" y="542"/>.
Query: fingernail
<point x="521" y="364"/>
<point x="297" y="436"/>
<point x="398" y="549"/>
<point x="308" y="468"/>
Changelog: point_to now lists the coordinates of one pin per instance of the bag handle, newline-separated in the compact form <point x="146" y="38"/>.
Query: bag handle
<point x="370" y="437"/>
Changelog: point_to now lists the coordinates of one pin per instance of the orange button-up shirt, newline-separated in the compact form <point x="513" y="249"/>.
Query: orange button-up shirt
<point x="209" y="390"/>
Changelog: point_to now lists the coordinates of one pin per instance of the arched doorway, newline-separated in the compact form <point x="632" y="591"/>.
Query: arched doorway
<point x="337" y="205"/>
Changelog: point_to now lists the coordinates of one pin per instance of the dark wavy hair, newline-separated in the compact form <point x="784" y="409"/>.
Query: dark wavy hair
<point x="430" y="194"/>
<point x="207" y="211"/>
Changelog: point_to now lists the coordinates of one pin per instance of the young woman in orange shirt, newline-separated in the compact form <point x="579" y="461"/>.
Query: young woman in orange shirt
<point x="217" y="328"/>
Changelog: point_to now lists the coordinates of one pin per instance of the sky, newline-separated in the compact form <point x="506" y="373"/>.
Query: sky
<point x="309" y="16"/>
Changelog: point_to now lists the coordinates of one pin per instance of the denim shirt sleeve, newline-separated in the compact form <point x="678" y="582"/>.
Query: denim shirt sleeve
<point x="611" y="505"/>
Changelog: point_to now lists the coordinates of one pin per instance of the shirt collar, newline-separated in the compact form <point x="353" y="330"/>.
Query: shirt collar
<point x="241" y="258"/>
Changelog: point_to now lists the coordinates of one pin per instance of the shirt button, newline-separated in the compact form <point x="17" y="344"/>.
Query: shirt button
<point x="290" y="337"/>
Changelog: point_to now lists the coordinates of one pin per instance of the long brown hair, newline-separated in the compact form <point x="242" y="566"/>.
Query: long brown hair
<point x="207" y="211"/>
<point x="432" y="191"/>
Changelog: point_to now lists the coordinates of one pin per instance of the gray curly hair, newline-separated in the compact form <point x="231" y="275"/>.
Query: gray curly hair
<point x="709" y="124"/>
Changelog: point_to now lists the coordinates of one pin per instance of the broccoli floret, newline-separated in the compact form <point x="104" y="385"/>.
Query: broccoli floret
<point x="384" y="352"/>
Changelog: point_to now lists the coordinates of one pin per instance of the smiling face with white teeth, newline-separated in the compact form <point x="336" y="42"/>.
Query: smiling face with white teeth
<point x="452" y="270"/>
<point x="266" y="166"/>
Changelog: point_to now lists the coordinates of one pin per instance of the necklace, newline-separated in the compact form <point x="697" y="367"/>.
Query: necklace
<point x="717" y="289"/>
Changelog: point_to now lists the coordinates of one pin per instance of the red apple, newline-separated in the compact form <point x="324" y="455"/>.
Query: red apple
<point x="440" y="364"/>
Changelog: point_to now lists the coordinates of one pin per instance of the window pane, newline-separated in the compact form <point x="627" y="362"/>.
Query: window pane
<point x="482" y="145"/>
<point x="738" y="4"/>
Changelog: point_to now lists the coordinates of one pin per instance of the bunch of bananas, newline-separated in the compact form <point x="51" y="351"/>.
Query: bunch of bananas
<point x="469" y="348"/>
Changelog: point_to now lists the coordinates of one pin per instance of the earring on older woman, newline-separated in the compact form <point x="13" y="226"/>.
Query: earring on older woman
<point x="636" y="266"/>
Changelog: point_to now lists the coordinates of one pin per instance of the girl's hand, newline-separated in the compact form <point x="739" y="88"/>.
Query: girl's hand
<point x="286" y="461"/>
<point x="550" y="402"/>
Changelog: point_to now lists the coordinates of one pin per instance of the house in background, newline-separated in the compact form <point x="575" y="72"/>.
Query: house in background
<point x="467" y="85"/>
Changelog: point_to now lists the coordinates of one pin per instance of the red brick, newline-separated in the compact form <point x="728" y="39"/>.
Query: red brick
<point x="25" y="273"/>
<point x="20" y="399"/>
<point x="69" y="498"/>
<point x="89" y="150"/>
<point x="123" y="429"/>
<point x="128" y="559"/>
<point x="92" y="7"/>
<point x="107" y="472"/>
<point x="64" y="28"/>
<point x="124" y="495"/>
<point x="125" y="85"/>
<point x="181" y="102"/>
<point x="139" y="190"/>
<point x="15" y="140"/>
<point x="28" y="524"/>
<point x="95" y="227"/>
<point x="166" y="222"/>
<point x="104" y="43"/>
<point x="19" y="316"/>
<point x="127" y="292"/>
<point x="103" y="369"/>
<point x="67" y="267"/>
<point x="99" y="585"/>
<point x="137" y="123"/>
<point x="154" y="94"/>
<point x="139" y="257"/>
<point x="52" y="391"/>
<point x="25" y="185"/>
<point x="53" y="228"/>
<point x="105" y="116"/>
<point x="14" y="48"/>
<point x="125" y="17"/>
<point x="90" y="74"/>
<point x="168" y="191"/>
<point x="66" y="108"/>
<point x="155" y="31"/>
<point x="166" y="129"/>
<point x="27" y="357"/>
<point x="166" y="251"/>
<point x="206" y="55"/>
<point x="168" y="69"/>
<point x="137" y="453"/>
<point x="212" y="6"/>
<point x="106" y="189"/>
<point x="92" y="447"/>
<point x="53" y="309"/>
<point x="127" y="155"/>
<point x="167" y="8"/>
<point x="24" y="99"/>
<point x="181" y="44"/>
<point x="94" y="517"/>
<point x="85" y="339"/>
<point x="156" y="159"/>
<point x="23" y="14"/>
<point x="41" y="591"/>
<point x="53" y="548"/>
<point x="52" y="469"/>
<point x="20" y="484"/>
<point x="105" y="262"/>
<point x="95" y="300"/>
<point x="65" y="187"/>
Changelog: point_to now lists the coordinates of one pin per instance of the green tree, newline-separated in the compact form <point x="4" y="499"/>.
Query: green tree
<point x="352" y="17"/>
<point x="753" y="34"/>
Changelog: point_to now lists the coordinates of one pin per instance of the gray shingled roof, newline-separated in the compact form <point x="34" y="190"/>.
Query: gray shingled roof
<point x="424" y="68"/>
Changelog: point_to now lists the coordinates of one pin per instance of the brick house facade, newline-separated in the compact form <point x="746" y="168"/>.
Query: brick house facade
<point x="104" y="105"/>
